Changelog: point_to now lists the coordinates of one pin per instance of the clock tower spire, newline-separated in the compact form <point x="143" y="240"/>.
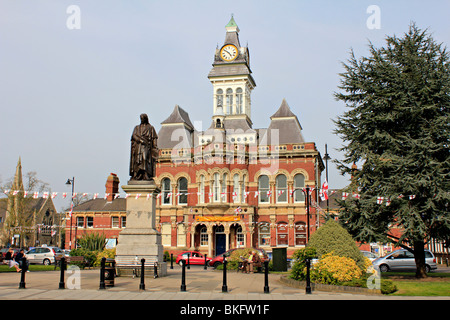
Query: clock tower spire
<point x="232" y="78"/>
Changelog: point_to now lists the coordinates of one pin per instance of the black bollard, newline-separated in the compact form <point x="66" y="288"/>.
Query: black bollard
<point x="205" y="263"/>
<point x="142" y="284"/>
<point x="224" y="285"/>
<point x="62" y="266"/>
<point x="266" y="276"/>
<point x="188" y="264"/>
<point x="102" y="274"/>
<point x="155" y="270"/>
<point x="308" y="279"/>
<point x="171" y="261"/>
<point x="22" y="276"/>
<point x="183" y="275"/>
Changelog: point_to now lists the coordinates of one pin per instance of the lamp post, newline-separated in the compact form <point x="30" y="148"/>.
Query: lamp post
<point x="71" y="182"/>
<point x="306" y="191"/>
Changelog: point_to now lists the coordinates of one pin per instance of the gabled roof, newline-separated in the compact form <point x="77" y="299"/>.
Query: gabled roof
<point x="283" y="111"/>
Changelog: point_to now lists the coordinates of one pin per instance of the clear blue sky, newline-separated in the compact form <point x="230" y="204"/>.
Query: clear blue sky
<point x="69" y="99"/>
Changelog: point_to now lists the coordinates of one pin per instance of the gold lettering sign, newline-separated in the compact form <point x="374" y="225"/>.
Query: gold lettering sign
<point x="212" y="218"/>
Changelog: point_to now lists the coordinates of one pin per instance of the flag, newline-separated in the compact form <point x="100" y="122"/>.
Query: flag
<point x="25" y="194"/>
<point x="269" y="193"/>
<point x="138" y="195"/>
<point x="412" y="197"/>
<point x="380" y="200"/>
<point x="149" y="195"/>
<point x="256" y="194"/>
<point x="45" y="195"/>
<point x="64" y="195"/>
<point x="344" y="195"/>
<point x="74" y="195"/>
<point x="325" y="190"/>
<point x="106" y="195"/>
<point x="234" y="195"/>
<point x="169" y="195"/>
<point x="246" y="193"/>
<point x="238" y="210"/>
<point x="157" y="197"/>
<point x="280" y="192"/>
<point x="71" y="209"/>
<point x="356" y="195"/>
<point x="54" y="194"/>
<point x="36" y="195"/>
<point x="116" y="195"/>
<point x="15" y="192"/>
<point x="95" y="195"/>
<point x="388" y="202"/>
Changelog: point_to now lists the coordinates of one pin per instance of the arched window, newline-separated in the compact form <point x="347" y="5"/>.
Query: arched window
<point x="281" y="185"/>
<point x="219" y="98"/>
<point x="240" y="237"/>
<point x="236" y="188"/>
<point x="166" y="191"/>
<point x="182" y="190"/>
<point x="264" y="234"/>
<point x="203" y="237"/>
<point x="300" y="234"/>
<point x="224" y="188"/>
<point x="282" y="234"/>
<point x="201" y="189"/>
<point x="263" y="188"/>
<point x="299" y="184"/>
<point x="216" y="187"/>
<point x="229" y="97"/>
<point x="243" y="189"/>
<point x="239" y="101"/>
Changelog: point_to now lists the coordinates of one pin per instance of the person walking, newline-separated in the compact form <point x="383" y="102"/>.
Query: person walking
<point x="9" y="260"/>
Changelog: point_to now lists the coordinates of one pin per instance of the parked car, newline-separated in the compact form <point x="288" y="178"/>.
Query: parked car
<point x="218" y="260"/>
<point x="43" y="255"/>
<point x="195" y="258"/>
<point x="372" y="256"/>
<point x="403" y="260"/>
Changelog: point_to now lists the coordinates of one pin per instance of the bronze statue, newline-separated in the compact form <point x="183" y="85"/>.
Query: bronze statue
<point x="144" y="151"/>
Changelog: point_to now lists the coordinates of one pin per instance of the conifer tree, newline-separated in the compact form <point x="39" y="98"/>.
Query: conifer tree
<point x="396" y="129"/>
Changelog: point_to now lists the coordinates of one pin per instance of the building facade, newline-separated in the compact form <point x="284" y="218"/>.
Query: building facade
<point x="233" y="185"/>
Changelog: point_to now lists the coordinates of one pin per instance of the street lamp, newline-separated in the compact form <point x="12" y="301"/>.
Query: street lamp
<point x="71" y="182"/>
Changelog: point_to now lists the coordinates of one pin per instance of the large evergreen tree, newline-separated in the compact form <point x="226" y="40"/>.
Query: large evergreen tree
<point x="397" y="129"/>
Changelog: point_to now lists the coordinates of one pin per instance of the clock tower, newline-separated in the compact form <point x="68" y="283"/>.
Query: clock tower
<point x="232" y="80"/>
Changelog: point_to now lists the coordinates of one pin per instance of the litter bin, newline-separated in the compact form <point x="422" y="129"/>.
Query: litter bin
<point x="110" y="272"/>
<point x="279" y="257"/>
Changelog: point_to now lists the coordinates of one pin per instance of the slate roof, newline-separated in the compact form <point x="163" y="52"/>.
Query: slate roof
<point x="102" y="205"/>
<point x="176" y="130"/>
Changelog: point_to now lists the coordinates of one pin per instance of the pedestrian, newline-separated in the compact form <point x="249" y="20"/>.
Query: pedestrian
<point x="9" y="258"/>
<point x="19" y="257"/>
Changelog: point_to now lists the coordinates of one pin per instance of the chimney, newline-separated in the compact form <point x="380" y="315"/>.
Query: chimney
<point x="112" y="186"/>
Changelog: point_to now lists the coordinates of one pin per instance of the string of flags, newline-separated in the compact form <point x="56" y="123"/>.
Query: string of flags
<point x="380" y="200"/>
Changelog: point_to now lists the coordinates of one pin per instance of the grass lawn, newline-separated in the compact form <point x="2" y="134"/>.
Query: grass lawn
<point x="33" y="267"/>
<point x="436" y="284"/>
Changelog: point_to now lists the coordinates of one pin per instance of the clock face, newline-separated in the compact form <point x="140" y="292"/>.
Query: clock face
<point x="228" y="52"/>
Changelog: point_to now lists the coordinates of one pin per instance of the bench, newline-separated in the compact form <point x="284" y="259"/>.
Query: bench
<point x="133" y="265"/>
<point x="71" y="260"/>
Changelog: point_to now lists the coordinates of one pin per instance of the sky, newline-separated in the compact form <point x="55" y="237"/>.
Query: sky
<point x="73" y="82"/>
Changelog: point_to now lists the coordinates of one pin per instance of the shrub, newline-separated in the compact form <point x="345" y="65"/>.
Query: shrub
<point x="298" y="271"/>
<point x="332" y="269"/>
<point x="107" y="253"/>
<point x="89" y="256"/>
<point x="332" y="237"/>
<point x="92" y="241"/>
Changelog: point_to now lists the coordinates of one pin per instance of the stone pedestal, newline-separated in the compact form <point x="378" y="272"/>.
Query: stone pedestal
<point x="140" y="239"/>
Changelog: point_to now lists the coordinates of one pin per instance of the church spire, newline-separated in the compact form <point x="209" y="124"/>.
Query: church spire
<point x="18" y="181"/>
<point x="232" y="25"/>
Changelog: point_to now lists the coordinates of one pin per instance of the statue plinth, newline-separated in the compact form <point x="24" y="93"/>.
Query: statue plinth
<point x="140" y="239"/>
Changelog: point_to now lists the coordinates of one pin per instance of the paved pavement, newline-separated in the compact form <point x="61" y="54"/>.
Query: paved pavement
<point x="200" y="285"/>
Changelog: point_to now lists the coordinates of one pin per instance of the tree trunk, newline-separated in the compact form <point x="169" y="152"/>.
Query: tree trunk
<point x="419" y="257"/>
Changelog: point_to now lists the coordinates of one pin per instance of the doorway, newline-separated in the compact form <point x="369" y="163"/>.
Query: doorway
<point x="220" y="240"/>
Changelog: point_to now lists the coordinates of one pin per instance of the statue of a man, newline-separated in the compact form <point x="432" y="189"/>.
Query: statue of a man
<point x="144" y="151"/>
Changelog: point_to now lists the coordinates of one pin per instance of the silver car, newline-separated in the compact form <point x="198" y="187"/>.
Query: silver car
<point x="43" y="255"/>
<point x="403" y="260"/>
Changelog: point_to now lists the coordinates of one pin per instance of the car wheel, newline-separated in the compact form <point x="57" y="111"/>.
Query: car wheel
<point x="47" y="262"/>
<point x="384" y="268"/>
<point x="216" y="264"/>
<point x="427" y="268"/>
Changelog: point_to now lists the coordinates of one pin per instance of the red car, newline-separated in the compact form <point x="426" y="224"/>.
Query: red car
<point x="218" y="260"/>
<point x="195" y="257"/>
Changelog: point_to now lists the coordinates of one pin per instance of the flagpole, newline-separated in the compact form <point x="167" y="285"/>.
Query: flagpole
<point x="72" y="182"/>
<point x="326" y="157"/>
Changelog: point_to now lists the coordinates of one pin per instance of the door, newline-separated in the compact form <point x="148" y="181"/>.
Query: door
<point x="31" y="255"/>
<point x="220" y="243"/>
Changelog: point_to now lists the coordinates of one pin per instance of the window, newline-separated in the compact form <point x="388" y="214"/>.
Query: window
<point x="89" y="222"/>
<point x="166" y="191"/>
<point x="300" y="234"/>
<point x="224" y="188"/>
<point x="236" y="187"/>
<point x="299" y="184"/>
<point x="243" y="189"/>
<point x="166" y="231"/>
<point x="240" y="239"/>
<point x="229" y="106"/>
<point x="281" y="185"/>
<point x="124" y="222"/>
<point x="216" y="188"/>
<point x="282" y="234"/>
<point x="219" y="98"/>
<point x="203" y="237"/>
<point x="239" y="101"/>
<point x="263" y="188"/>
<point x="181" y="235"/>
<point x="115" y="222"/>
<point x="201" y="189"/>
<point x="80" y="222"/>
<point x="264" y="234"/>
<point x="182" y="190"/>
